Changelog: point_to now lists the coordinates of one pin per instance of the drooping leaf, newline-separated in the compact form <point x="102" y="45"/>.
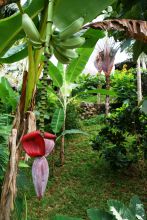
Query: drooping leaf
<point x="100" y="91"/>
<point x="75" y="68"/>
<point x="7" y="95"/>
<point x="72" y="131"/>
<point x="96" y="214"/>
<point x="83" y="8"/>
<point x="15" y="54"/>
<point x="134" y="28"/>
<point x="22" y="164"/>
<point x="57" y="120"/>
<point x="92" y="36"/>
<point x="55" y="74"/>
<point x="119" y="210"/>
<point x="137" y="208"/>
<point x="62" y="217"/>
<point x="11" y="27"/>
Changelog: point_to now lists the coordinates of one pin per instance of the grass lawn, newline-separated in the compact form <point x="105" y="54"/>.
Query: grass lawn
<point x="85" y="181"/>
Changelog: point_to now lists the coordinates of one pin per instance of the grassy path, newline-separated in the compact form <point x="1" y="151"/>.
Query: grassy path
<point x="85" y="182"/>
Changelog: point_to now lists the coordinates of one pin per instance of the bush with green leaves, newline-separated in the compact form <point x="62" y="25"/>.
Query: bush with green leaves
<point x="117" y="211"/>
<point x="8" y="97"/>
<point x="88" y="82"/>
<point x="124" y="84"/>
<point x="72" y="116"/>
<point x="122" y="141"/>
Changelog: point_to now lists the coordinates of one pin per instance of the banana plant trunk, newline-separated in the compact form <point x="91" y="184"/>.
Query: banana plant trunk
<point x="20" y="125"/>
<point x="107" y="101"/>
<point x="99" y="99"/>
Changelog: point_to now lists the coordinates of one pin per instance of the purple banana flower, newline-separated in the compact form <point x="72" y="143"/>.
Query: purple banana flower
<point x="40" y="174"/>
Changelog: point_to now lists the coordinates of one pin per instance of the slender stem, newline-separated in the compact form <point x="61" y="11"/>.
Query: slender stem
<point x="20" y="8"/>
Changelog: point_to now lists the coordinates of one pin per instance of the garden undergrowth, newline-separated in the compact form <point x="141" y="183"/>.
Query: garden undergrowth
<point x="85" y="181"/>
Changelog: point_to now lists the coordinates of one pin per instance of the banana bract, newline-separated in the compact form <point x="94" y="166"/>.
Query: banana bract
<point x="40" y="174"/>
<point x="35" y="145"/>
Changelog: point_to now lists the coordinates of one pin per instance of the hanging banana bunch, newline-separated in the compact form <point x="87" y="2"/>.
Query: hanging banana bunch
<point x="66" y="41"/>
<point x="63" y="43"/>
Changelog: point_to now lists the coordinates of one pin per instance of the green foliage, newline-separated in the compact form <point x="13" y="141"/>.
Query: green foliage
<point x="117" y="211"/>
<point x="7" y="96"/>
<point x="11" y="27"/>
<point x="15" y="54"/>
<point x="82" y="8"/>
<point x="124" y="84"/>
<point x="88" y="82"/>
<point x="72" y="116"/>
<point x="57" y="120"/>
<point x="122" y="141"/>
<point x="55" y="74"/>
<point x="96" y="214"/>
<point x="5" y="127"/>
<point x="77" y="65"/>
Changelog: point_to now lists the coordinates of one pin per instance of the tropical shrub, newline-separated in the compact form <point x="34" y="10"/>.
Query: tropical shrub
<point x="124" y="84"/>
<point x="72" y="116"/>
<point x="88" y="82"/>
<point x="122" y="141"/>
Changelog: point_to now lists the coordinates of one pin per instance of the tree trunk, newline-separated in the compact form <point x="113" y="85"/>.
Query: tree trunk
<point x="139" y="88"/>
<point x="20" y="125"/>
<point x="107" y="101"/>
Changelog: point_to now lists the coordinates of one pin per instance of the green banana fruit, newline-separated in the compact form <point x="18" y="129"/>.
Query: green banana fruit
<point x="72" y="42"/>
<point x="72" y="28"/>
<point x="30" y="28"/>
<point x="69" y="53"/>
<point x="60" y="57"/>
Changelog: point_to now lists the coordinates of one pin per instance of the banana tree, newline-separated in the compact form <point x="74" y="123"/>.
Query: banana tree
<point x="64" y="79"/>
<point x="47" y="43"/>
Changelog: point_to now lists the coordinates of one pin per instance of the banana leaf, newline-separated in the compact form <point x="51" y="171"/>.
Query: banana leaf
<point x="96" y="214"/>
<point x="55" y="75"/>
<point x="57" y="120"/>
<point x="83" y="8"/>
<point x="11" y="27"/>
<point x="14" y="54"/>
